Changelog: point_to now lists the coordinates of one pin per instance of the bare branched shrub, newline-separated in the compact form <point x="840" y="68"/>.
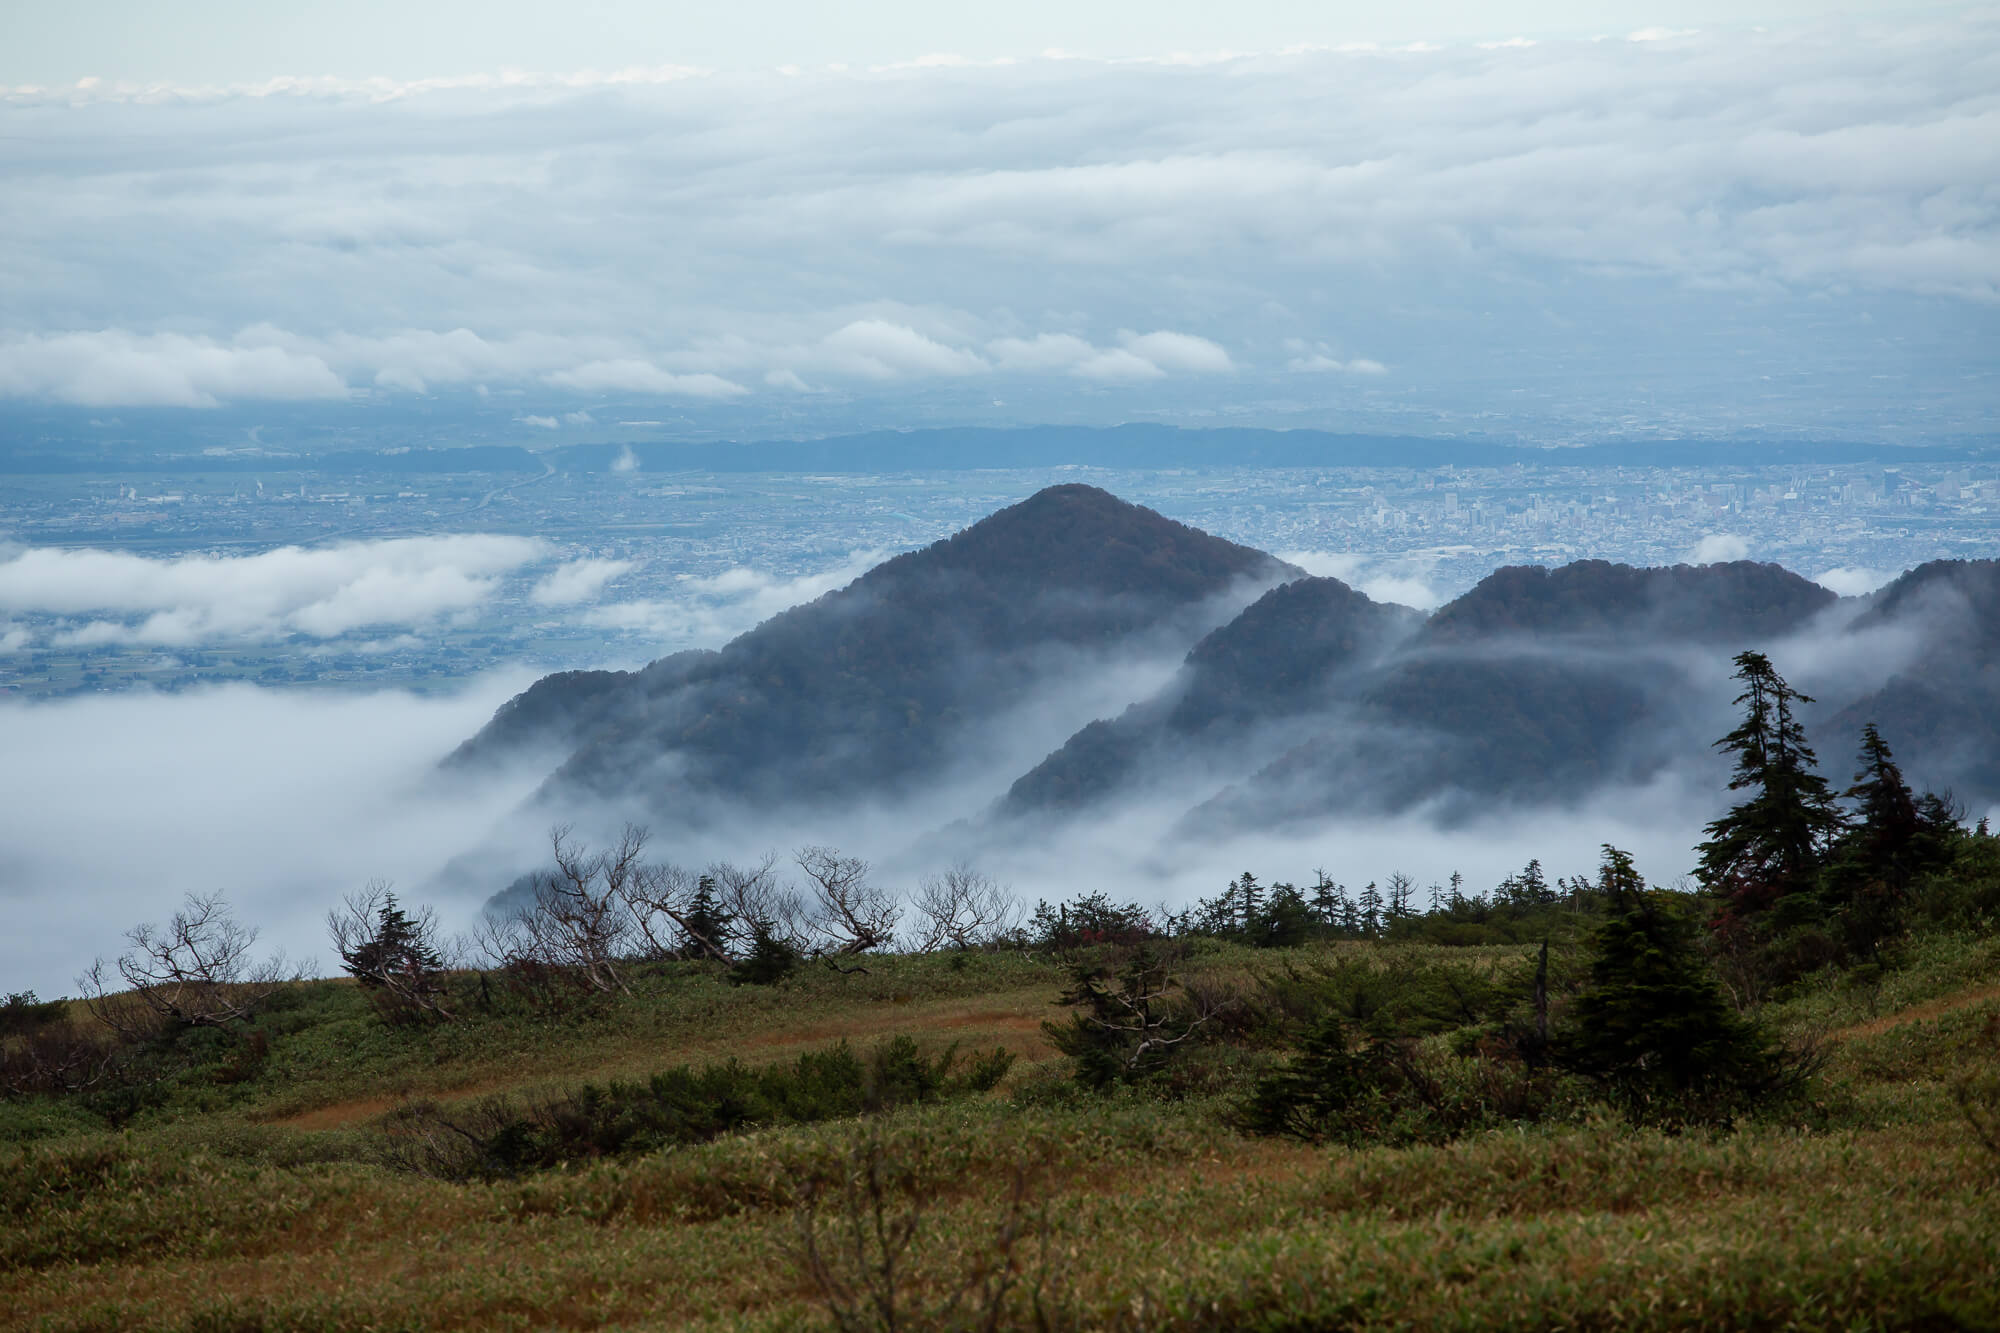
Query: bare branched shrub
<point x="51" y="1053"/>
<point x="864" y="1242"/>
<point x="962" y="909"/>
<point x="1128" y="1024"/>
<point x="754" y="893"/>
<point x="579" y="925"/>
<point x="197" y="971"/>
<point x="398" y="957"/>
<point x="846" y="914"/>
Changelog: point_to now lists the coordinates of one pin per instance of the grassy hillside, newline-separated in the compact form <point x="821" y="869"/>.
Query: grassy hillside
<point x="277" y="1181"/>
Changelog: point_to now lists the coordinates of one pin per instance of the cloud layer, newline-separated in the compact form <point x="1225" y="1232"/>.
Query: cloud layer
<point x="1412" y="224"/>
<point x="357" y="592"/>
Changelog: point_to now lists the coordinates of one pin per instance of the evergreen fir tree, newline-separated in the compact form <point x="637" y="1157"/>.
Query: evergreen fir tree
<point x="1893" y="840"/>
<point x="1771" y="844"/>
<point x="1653" y="1027"/>
<point x="1249" y="900"/>
<point x="397" y="947"/>
<point x="1371" y="910"/>
<point x="705" y="926"/>
<point x="1401" y="889"/>
<point x="770" y="958"/>
<point x="1327" y="898"/>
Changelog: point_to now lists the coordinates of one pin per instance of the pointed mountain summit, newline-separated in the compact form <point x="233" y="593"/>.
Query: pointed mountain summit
<point x="875" y="685"/>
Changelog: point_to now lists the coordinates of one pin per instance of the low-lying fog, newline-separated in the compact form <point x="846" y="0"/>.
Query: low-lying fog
<point x="284" y="799"/>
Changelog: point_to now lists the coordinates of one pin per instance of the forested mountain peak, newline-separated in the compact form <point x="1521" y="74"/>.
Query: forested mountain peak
<point x="1975" y="583"/>
<point x="1284" y="645"/>
<point x="1082" y="538"/>
<point x="1740" y="599"/>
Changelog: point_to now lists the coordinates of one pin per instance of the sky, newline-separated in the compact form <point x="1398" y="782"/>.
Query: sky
<point x="238" y="41"/>
<point x="1556" y="220"/>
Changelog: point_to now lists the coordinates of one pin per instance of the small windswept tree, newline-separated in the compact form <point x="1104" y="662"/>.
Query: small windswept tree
<point x="1126" y="1025"/>
<point x="1772" y="843"/>
<point x="578" y="928"/>
<point x="199" y="970"/>
<point x="398" y="958"/>
<point x="849" y="915"/>
<point x="962" y="909"/>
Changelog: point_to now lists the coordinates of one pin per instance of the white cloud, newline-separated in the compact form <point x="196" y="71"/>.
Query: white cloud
<point x="1178" y="351"/>
<point x="577" y="581"/>
<point x="117" y="805"/>
<point x="632" y="375"/>
<point x="709" y="611"/>
<point x="1319" y="359"/>
<point x="113" y="368"/>
<point x="120" y="597"/>
<point x="1139" y="357"/>
<point x="1402" y="579"/>
<point x="540" y="423"/>
<point x="1719" y="548"/>
<point x="1573" y="210"/>
<point x="878" y="349"/>
<point x="1853" y="580"/>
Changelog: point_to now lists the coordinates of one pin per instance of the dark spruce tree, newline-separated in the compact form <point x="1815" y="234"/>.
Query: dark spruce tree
<point x="396" y="949"/>
<point x="769" y="960"/>
<point x="1894" y="839"/>
<point x="1771" y="845"/>
<point x="704" y="927"/>
<point x="1652" y="1027"/>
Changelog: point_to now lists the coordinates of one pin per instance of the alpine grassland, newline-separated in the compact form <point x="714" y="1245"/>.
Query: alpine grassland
<point x="866" y="1160"/>
<point x="1767" y="1100"/>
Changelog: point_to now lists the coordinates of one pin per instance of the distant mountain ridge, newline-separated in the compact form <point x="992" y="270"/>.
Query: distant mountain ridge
<point x="869" y="686"/>
<point x="1297" y="698"/>
<point x="1134" y="445"/>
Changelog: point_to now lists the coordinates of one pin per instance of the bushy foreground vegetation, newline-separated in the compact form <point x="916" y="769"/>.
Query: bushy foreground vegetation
<point x="670" y="1100"/>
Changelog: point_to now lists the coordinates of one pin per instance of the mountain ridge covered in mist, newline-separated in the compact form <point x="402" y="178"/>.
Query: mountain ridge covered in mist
<point x="1296" y="698"/>
<point x="869" y="685"/>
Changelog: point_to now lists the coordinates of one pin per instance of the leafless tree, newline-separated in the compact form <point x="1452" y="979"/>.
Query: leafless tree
<point x="659" y="897"/>
<point x="399" y="956"/>
<point x="579" y="923"/>
<point x="962" y="908"/>
<point x="753" y="893"/>
<point x="197" y="970"/>
<point x="846" y="915"/>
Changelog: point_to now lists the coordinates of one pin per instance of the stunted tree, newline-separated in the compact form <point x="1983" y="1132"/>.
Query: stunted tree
<point x="398" y="958"/>
<point x="198" y="970"/>
<point x="962" y="909"/>
<point x="847" y="914"/>
<point x="578" y="926"/>
<point x="1128" y="1024"/>
<point x="1772" y="843"/>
